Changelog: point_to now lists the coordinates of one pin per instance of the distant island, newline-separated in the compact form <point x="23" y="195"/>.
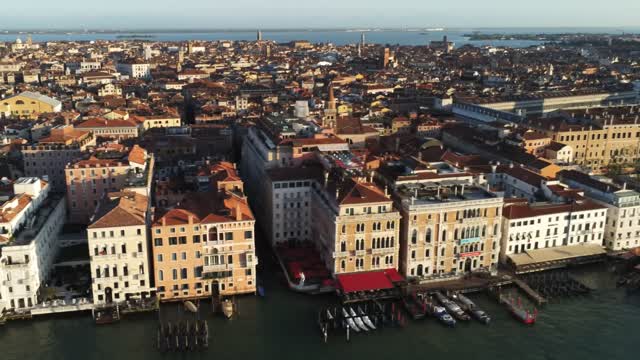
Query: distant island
<point x="477" y="36"/>
<point x="135" y="36"/>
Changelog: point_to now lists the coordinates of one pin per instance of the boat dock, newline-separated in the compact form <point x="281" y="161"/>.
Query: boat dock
<point x="531" y="293"/>
<point x="183" y="336"/>
<point x="555" y="284"/>
<point x="359" y="318"/>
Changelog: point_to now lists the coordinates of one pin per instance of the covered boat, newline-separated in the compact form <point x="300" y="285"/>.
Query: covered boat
<point x="452" y="307"/>
<point x="469" y="306"/>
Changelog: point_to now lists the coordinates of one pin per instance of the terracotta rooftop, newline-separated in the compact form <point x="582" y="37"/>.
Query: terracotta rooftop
<point x="106" y="123"/>
<point x="519" y="211"/>
<point x="207" y="208"/>
<point x="121" y="209"/>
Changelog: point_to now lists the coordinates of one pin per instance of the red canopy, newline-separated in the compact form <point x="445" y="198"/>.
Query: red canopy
<point x="393" y="275"/>
<point x="374" y="280"/>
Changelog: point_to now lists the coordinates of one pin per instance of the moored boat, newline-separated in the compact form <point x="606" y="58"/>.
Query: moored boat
<point x="415" y="307"/>
<point x="349" y="321"/>
<point x="227" y="308"/>
<point x="520" y="313"/>
<point x="441" y="314"/>
<point x="469" y="306"/>
<point x="190" y="306"/>
<point x="360" y="324"/>
<point x="452" y="307"/>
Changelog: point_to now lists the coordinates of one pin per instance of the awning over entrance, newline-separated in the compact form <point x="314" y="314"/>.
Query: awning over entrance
<point x="540" y="259"/>
<point x="368" y="281"/>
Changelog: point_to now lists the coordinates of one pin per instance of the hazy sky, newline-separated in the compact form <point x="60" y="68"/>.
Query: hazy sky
<point x="266" y="14"/>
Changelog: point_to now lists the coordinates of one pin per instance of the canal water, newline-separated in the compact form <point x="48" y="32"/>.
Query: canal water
<point x="603" y="325"/>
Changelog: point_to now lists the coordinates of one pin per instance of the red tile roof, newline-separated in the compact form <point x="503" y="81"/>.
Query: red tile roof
<point x="519" y="211"/>
<point x="105" y="123"/>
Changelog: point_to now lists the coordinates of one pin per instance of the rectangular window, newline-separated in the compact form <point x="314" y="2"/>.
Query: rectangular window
<point x="248" y="234"/>
<point x="157" y="241"/>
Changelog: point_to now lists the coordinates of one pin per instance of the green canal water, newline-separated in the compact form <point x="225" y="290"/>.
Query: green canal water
<point x="603" y="325"/>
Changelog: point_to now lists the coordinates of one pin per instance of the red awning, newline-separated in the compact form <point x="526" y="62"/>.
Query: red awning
<point x="374" y="280"/>
<point x="393" y="275"/>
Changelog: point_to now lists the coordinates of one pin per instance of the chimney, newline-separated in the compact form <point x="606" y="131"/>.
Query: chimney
<point x="164" y="221"/>
<point x="190" y="219"/>
<point x="624" y="185"/>
<point x="386" y="190"/>
<point x="238" y="212"/>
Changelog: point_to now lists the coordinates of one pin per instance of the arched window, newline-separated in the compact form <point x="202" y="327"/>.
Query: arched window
<point x="160" y="275"/>
<point x="414" y="236"/>
<point x="213" y="234"/>
<point x="428" y="236"/>
<point x="444" y="235"/>
<point x="19" y="102"/>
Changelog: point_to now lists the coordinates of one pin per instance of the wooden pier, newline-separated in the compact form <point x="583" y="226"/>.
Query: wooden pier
<point x="532" y="294"/>
<point x="556" y="283"/>
<point x="182" y="336"/>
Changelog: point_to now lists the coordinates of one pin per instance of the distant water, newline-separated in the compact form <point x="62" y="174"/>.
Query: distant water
<point x="338" y="37"/>
<point x="603" y="325"/>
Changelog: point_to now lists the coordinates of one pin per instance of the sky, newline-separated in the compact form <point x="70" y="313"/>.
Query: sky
<point x="297" y="14"/>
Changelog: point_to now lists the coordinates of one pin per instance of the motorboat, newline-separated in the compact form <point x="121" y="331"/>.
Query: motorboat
<point x="441" y="314"/>
<point x="452" y="307"/>
<point x="470" y="307"/>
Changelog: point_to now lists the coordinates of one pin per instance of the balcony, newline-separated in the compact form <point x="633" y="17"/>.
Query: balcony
<point x="218" y="267"/>
<point x="360" y="252"/>
<point x="337" y="254"/>
<point x="383" y="250"/>
<point x="15" y="265"/>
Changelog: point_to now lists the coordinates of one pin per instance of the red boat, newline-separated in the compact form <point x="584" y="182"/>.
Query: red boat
<point x="520" y="313"/>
